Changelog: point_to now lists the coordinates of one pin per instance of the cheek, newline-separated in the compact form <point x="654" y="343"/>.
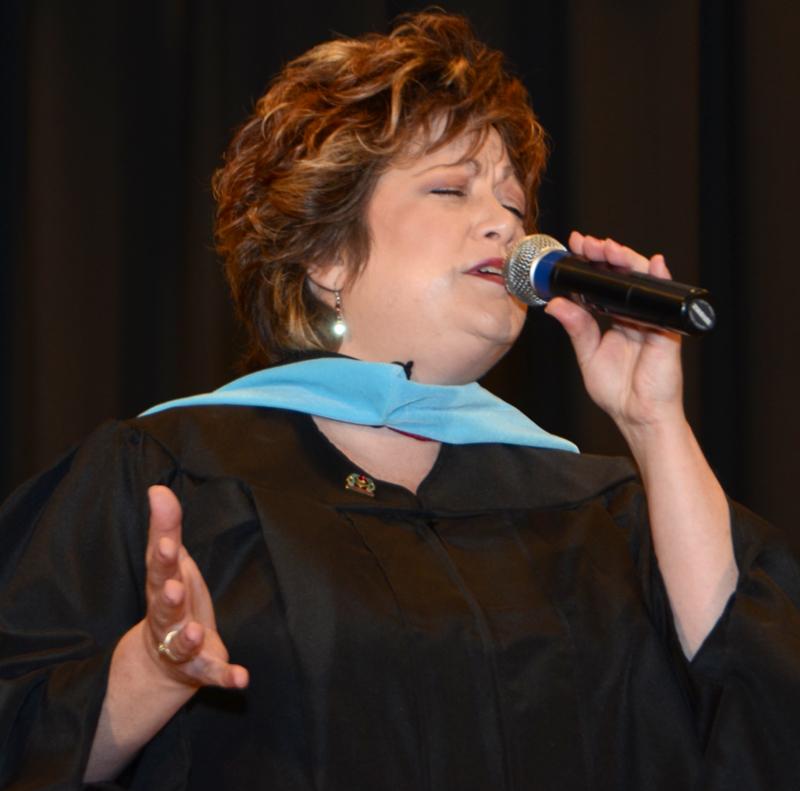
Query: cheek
<point x="398" y="291"/>
<point x="501" y="320"/>
<point x="519" y="313"/>
<point x="413" y="226"/>
<point x="409" y="268"/>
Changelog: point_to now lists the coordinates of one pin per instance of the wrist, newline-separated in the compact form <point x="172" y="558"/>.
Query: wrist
<point x="655" y="441"/>
<point x="140" y="699"/>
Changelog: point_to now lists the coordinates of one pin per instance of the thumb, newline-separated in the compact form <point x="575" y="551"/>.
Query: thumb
<point x="579" y="324"/>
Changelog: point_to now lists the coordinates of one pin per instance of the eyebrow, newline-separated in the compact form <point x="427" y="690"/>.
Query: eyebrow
<point x="508" y="170"/>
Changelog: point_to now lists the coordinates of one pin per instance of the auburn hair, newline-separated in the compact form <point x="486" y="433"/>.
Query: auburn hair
<point x="298" y="175"/>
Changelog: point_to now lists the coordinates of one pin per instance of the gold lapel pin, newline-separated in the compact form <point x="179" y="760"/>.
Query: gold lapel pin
<point x="358" y="482"/>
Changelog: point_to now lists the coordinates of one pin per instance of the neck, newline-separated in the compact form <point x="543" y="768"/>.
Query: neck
<point x="413" y="436"/>
<point x="443" y="369"/>
<point x="382" y="453"/>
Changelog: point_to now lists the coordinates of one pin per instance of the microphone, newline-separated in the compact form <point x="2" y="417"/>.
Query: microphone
<point x="540" y="268"/>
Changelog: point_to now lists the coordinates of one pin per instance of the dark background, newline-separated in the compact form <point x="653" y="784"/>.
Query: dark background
<point x="675" y="129"/>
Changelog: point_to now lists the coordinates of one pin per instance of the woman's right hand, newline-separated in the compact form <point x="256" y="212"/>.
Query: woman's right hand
<point x="178" y="602"/>
<point x="147" y="686"/>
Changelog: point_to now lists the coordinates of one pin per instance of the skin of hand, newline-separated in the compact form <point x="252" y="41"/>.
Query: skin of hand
<point x="178" y="598"/>
<point x="145" y="688"/>
<point x="633" y="374"/>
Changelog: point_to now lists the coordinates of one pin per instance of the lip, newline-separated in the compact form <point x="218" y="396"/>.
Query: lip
<point x="494" y="263"/>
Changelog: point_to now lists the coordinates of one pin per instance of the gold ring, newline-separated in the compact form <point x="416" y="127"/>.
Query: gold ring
<point x="164" y="649"/>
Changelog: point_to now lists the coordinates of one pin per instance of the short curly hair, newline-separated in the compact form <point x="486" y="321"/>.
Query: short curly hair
<point x="296" y="180"/>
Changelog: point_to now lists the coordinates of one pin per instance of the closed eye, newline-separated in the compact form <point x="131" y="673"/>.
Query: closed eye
<point x="455" y="191"/>
<point x="448" y="191"/>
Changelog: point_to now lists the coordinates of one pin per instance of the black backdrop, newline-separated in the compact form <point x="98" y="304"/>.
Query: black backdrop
<point x="675" y="129"/>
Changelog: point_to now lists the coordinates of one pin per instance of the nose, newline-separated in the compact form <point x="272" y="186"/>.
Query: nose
<point x="497" y="223"/>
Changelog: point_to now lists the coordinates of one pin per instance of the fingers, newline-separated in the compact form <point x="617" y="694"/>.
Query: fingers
<point x="180" y="625"/>
<point x="615" y="253"/>
<point x="211" y="665"/>
<point x="183" y="644"/>
<point x="165" y="513"/>
<point x="162" y="563"/>
<point x="658" y="267"/>
<point x="196" y="655"/>
<point x="164" y="535"/>
<point x="167" y="606"/>
<point x="165" y="587"/>
<point x="575" y="242"/>
<point x="163" y="550"/>
<point x="222" y="674"/>
<point x="238" y="677"/>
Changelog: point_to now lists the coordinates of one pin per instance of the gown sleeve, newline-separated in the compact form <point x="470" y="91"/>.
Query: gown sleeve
<point x="746" y="676"/>
<point x="744" y="681"/>
<point x="72" y="545"/>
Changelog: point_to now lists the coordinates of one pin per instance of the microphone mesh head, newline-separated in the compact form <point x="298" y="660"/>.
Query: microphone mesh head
<point x="523" y="259"/>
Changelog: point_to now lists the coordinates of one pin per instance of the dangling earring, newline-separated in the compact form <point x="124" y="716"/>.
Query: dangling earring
<point x="339" y="326"/>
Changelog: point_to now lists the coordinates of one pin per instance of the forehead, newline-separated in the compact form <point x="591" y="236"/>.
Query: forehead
<point x="476" y="147"/>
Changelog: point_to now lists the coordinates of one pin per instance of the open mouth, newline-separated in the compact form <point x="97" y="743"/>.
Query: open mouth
<point x="489" y="270"/>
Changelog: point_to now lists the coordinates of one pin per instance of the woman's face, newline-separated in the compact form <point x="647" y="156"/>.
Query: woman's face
<point x="432" y="289"/>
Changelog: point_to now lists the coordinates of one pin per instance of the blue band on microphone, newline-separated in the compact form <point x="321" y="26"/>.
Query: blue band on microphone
<point x="541" y="274"/>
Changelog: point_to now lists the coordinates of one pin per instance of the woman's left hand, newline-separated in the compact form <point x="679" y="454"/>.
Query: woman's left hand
<point x="631" y="372"/>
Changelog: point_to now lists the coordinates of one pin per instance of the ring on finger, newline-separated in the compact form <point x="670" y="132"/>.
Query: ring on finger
<point x="165" y="650"/>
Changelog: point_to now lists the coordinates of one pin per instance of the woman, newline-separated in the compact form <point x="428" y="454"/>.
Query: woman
<point x="358" y="570"/>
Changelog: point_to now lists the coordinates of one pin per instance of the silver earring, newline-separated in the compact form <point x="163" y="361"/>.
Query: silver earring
<point x="339" y="326"/>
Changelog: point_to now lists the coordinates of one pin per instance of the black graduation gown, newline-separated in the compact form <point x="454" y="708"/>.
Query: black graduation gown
<point x="505" y="628"/>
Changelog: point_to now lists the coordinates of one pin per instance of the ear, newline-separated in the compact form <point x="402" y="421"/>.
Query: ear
<point x="325" y="278"/>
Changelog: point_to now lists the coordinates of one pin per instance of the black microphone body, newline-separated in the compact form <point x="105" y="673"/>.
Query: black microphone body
<point x="540" y="268"/>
